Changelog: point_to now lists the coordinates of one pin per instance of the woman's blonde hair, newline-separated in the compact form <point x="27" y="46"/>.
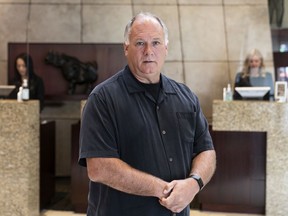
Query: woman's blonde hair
<point x="246" y="67"/>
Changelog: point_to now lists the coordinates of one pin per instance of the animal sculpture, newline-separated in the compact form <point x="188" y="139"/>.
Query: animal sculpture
<point x="74" y="71"/>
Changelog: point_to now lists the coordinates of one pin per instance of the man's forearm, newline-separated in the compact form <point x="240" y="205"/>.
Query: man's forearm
<point x="204" y="165"/>
<point x="117" y="174"/>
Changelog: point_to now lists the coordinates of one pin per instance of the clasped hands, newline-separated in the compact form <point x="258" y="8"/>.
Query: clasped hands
<point x="178" y="194"/>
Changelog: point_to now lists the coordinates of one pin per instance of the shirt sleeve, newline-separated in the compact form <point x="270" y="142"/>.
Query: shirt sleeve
<point x="97" y="131"/>
<point x="270" y="83"/>
<point x="237" y="79"/>
<point x="203" y="140"/>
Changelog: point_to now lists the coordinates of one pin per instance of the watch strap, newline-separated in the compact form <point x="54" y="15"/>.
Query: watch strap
<point x="198" y="179"/>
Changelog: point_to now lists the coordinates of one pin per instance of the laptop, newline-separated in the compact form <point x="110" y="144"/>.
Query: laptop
<point x="5" y="90"/>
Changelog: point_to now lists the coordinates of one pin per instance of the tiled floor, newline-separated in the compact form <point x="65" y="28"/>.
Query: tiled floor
<point x="192" y="213"/>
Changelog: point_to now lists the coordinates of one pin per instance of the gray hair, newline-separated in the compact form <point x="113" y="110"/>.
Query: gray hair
<point x="149" y="16"/>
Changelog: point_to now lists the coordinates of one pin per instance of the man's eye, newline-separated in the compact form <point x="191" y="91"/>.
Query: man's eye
<point x="139" y="43"/>
<point x="156" y="43"/>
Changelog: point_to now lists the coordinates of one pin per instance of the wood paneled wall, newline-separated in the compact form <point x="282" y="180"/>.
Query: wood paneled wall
<point x="109" y="57"/>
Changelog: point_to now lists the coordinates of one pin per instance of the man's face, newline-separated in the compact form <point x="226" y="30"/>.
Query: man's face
<point x="146" y="51"/>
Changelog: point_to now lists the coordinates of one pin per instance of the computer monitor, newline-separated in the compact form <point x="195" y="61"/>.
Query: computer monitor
<point x="253" y="93"/>
<point x="5" y="90"/>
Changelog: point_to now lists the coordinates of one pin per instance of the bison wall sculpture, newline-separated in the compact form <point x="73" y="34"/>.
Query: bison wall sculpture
<point x="74" y="71"/>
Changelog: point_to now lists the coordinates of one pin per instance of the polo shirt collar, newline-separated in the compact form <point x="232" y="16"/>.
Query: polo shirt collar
<point x="133" y="86"/>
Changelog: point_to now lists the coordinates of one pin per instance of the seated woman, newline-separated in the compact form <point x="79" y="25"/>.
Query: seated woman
<point x="254" y="75"/>
<point x="24" y="70"/>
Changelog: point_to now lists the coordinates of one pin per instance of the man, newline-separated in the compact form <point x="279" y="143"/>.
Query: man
<point x="142" y="134"/>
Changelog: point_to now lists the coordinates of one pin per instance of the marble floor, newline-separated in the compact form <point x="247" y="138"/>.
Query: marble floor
<point x="192" y="213"/>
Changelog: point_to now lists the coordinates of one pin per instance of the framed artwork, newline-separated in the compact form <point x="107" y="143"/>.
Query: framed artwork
<point x="280" y="91"/>
<point x="282" y="74"/>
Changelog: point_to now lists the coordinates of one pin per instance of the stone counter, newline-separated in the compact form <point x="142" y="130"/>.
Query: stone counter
<point x="270" y="117"/>
<point x="19" y="158"/>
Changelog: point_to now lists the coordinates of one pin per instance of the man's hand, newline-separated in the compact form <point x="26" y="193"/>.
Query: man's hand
<point x="179" y="193"/>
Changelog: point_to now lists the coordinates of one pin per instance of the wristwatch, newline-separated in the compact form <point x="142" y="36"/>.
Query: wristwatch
<point x="198" y="179"/>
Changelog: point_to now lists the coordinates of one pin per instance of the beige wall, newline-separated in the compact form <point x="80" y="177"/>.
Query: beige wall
<point x="208" y="38"/>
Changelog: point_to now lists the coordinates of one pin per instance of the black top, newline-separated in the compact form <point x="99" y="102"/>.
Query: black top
<point x="152" y="88"/>
<point x="122" y="120"/>
<point x="36" y="90"/>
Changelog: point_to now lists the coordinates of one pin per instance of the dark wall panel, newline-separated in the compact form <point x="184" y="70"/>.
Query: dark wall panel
<point x="240" y="178"/>
<point x="109" y="57"/>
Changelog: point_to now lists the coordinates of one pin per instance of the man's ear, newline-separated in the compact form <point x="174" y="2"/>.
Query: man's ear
<point x="125" y="46"/>
<point x="166" y="47"/>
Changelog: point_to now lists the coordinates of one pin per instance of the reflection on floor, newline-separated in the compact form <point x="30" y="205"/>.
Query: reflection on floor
<point x="192" y="213"/>
<point x="59" y="213"/>
<point x="61" y="200"/>
<point x="61" y="205"/>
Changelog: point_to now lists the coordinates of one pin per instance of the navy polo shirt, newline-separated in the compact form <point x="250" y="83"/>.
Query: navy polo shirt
<point x="122" y="120"/>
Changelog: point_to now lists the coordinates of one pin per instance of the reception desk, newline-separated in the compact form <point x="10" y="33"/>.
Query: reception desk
<point x="19" y="158"/>
<point x="261" y="116"/>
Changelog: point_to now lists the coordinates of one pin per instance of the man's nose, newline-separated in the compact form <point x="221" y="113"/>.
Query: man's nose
<point x="148" y="49"/>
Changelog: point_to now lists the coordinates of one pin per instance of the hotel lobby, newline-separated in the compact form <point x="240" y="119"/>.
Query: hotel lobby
<point x="208" y="42"/>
